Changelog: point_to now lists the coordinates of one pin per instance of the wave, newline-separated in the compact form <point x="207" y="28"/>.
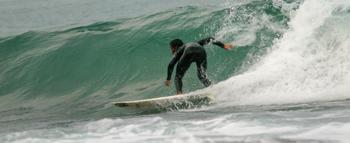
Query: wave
<point x="308" y="63"/>
<point x="76" y="72"/>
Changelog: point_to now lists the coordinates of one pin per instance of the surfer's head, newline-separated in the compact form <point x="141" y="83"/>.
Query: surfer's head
<point x="175" y="44"/>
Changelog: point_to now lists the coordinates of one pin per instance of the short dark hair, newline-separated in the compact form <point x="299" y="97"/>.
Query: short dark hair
<point x="176" y="43"/>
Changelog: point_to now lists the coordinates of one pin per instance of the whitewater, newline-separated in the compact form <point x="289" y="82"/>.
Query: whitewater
<point x="287" y="80"/>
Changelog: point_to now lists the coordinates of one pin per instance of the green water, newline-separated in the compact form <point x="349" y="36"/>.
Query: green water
<point x="83" y="68"/>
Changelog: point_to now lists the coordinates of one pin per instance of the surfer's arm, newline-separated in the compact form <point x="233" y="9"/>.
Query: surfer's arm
<point x="208" y="40"/>
<point x="171" y="68"/>
<point x="172" y="63"/>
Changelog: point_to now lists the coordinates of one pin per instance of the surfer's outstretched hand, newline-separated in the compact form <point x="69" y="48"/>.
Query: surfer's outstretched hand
<point x="228" y="46"/>
<point x="167" y="83"/>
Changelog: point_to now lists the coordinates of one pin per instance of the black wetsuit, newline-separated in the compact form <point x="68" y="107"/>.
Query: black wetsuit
<point x="188" y="53"/>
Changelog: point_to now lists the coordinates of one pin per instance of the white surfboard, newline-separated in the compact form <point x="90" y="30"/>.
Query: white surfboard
<point x="174" y="102"/>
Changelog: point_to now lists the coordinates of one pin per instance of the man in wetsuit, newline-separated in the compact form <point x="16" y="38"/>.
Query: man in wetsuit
<point x="185" y="54"/>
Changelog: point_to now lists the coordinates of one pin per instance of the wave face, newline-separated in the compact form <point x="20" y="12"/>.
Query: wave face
<point x="291" y="57"/>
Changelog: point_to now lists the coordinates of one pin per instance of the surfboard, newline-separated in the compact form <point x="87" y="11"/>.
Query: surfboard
<point x="175" y="102"/>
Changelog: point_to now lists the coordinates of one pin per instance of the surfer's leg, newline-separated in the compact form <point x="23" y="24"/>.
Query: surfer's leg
<point x="202" y="71"/>
<point x="181" y="69"/>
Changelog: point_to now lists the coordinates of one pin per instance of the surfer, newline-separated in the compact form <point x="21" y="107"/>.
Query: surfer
<point x="185" y="54"/>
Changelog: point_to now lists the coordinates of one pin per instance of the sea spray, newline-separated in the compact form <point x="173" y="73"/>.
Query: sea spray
<point x="306" y="64"/>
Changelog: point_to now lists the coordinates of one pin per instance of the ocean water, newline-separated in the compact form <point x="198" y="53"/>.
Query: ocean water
<point x="63" y="62"/>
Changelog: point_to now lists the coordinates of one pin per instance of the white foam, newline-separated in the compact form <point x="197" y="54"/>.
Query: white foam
<point x="309" y="63"/>
<point x="338" y="132"/>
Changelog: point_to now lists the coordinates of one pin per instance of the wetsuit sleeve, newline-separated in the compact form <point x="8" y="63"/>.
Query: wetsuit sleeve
<point x="211" y="40"/>
<point x="172" y="63"/>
